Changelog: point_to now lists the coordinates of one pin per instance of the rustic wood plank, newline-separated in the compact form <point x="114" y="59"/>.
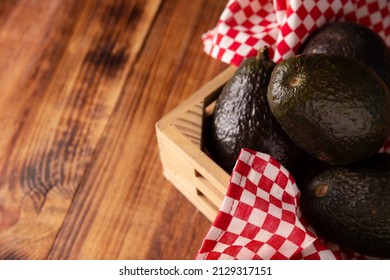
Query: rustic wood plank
<point x="66" y="64"/>
<point x="29" y="61"/>
<point x="125" y="209"/>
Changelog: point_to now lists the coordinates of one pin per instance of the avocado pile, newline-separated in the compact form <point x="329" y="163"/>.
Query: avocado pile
<point x="324" y="114"/>
<point x="242" y="117"/>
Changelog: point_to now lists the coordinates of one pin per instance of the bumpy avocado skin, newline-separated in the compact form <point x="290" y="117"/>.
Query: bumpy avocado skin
<point x="242" y="117"/>
<point x="334" y="108"/>
<point x="354" y="41"/>
<point x="350" y="206"/>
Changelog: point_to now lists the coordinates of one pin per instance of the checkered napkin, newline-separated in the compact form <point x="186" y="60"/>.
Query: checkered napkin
<point x="246" y="25"/>
<point x="260" y="217"/>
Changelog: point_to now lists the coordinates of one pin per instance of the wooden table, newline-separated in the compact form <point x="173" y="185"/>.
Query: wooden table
<point x="82" y="85"/>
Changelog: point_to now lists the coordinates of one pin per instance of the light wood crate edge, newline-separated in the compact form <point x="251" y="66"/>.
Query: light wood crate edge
<point x="185" y="165"/>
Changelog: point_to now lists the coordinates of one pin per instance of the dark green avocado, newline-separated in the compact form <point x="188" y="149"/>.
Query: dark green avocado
<point x="242" y="117"/>
<point x="333" y="107"/>
<point x="350" y="206"/>
<point x="354" y="41"/>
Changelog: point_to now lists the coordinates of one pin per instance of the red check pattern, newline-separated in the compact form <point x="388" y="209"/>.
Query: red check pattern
<point x="260" y="217"/>
<point x="246" y="25"/>
<point x="386" y="147"/>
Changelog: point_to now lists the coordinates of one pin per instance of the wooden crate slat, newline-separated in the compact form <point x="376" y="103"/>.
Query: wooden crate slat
<point x="185" y="165"/>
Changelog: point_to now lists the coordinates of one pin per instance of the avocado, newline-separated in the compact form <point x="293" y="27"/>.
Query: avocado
<point x="350" y="206"/>
<point x="354" y="41"/>
<point x="242" y="117"/>
<point x="333" y="107"/>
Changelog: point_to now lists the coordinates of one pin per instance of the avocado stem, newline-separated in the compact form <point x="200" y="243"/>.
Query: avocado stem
<point x="262" y="54"/>
<point x="295" y="81"/>
<point x="321" y="190"/>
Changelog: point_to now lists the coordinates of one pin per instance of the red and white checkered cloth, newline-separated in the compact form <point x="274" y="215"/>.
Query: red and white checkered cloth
<point x="260" y="218"/>
<point x="283" y="25"/>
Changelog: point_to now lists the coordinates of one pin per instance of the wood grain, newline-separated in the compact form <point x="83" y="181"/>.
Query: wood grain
<point x="180" y="142"/>
<point x="82" y="85"/>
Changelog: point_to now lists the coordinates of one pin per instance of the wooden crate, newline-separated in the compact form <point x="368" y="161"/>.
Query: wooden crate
<point x="185" y="164"/>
